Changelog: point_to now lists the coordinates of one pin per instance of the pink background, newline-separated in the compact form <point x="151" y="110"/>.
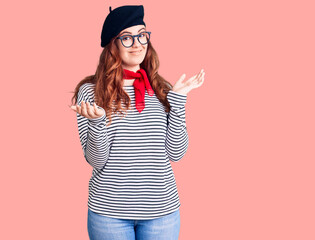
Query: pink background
<point x="249" y="169"/>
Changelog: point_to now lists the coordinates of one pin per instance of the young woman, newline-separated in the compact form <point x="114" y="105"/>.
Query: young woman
<point x="131" y="124"/>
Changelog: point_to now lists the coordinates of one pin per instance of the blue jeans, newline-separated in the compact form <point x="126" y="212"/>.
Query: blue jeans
<point x="107" y="228"/>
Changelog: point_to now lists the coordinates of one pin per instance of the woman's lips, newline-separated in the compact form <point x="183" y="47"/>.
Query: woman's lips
<point x="136" y="52"/>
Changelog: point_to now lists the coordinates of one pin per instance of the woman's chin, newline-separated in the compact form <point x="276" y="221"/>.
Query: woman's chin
<point x="136" y="61"/>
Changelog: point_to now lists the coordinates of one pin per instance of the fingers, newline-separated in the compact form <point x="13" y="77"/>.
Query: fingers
<point x="180" y="80"/>
<point x="182" y="77"/>
<point x="201" y="74"/>
<point x="195" y="79"/>
<point x="95" y="108"/>
<point x="74" y="108"/>
<point x="200" y="79"/>
<point x="191" y="82"/>
<point x="98" y="111"/>
<point x="90" y="110"/>
<point x="83" y="109"/>
<point x="79" y="109"/>
<point x="87" y="110"/>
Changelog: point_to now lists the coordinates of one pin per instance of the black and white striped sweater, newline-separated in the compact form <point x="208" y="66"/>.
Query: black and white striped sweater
<point x="132" y="177"/>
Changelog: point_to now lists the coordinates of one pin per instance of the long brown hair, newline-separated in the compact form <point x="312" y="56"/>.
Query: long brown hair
<point x="108" y="82"/>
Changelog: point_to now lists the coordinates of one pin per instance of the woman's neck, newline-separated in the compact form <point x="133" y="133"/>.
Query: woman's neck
<point x="133" y="68"/>
<point x="129" y="82"/>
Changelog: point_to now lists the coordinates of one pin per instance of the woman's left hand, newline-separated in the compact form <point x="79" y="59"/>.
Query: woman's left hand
<point x="193" y="82"/>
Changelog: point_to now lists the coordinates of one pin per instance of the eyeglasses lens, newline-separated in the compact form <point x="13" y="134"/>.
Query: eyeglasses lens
<point x="143" y="39"/>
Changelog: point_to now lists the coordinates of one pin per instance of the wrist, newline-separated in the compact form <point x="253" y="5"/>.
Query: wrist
<point x="180" y="91"/>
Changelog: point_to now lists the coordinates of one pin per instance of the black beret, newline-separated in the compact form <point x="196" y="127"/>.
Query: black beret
<point x="119" y="19"/>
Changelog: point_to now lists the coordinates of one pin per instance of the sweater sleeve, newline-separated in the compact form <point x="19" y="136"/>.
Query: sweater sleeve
<point x="92" y="132"/>
<point x="176" y="136"/>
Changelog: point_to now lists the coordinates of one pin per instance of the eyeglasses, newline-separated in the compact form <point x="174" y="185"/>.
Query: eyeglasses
<point x="128" y="40"/>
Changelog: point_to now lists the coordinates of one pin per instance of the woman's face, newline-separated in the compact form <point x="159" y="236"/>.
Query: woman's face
<point x="134" y="55"/>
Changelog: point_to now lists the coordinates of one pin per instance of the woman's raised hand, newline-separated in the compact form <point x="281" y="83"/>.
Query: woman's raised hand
<point x="193" y="82"/>
<point x="88" y="111"/>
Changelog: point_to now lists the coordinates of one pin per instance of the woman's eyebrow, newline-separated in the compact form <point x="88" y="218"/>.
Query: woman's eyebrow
<point x="130" y="32"/>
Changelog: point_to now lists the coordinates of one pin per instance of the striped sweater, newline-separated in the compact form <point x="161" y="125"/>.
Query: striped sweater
<point x="132" y="177"/>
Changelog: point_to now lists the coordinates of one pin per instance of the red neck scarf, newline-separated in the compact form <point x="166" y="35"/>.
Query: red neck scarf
<point x="140" y="84"/>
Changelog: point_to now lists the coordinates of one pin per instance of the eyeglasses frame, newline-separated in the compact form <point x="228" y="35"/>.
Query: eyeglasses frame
<point x="133" y="38"/>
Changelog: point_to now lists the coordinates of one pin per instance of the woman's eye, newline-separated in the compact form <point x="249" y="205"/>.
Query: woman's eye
<point x="125" y="38"/>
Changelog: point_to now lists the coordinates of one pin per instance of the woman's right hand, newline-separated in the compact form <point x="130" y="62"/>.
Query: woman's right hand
<point x="88" y="111"/>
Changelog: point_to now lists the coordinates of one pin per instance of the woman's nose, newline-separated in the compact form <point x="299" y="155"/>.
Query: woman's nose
<point x="136" y="43"/>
